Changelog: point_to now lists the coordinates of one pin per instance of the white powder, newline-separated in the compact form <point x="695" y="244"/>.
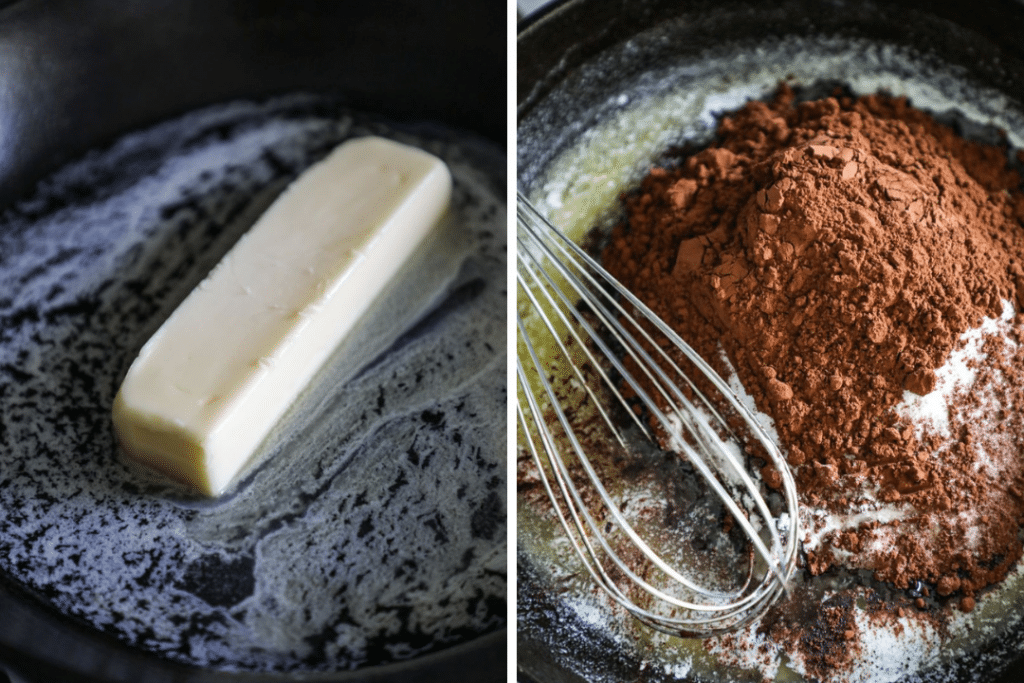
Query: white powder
<point x="930" y="413"/>
<point x="893" y="650"/>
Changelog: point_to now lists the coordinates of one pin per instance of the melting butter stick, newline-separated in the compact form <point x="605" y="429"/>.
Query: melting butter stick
<point x="220" y="372"/>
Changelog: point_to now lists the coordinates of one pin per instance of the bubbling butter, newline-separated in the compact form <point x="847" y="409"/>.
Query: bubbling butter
<point x="216" y="377"/>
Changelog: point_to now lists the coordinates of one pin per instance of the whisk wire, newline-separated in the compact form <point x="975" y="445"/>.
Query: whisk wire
<point x="564" y="275"/>
<point x="576" y="509"/>
<point x="675" y="399"/>
<point x="530" y="281"/>
<point x="562" y="251"/>
<point x="559" y="466"/>
<point x="619" y="332"/>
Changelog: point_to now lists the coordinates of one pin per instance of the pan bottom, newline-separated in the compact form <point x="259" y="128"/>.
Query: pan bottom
<point x="372" y="530"/>
<point x="567" y="629"/>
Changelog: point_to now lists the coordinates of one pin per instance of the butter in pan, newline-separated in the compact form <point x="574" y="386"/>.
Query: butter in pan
<point x="374" y="534"/>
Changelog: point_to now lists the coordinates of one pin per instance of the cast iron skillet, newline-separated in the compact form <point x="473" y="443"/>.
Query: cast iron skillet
<point x="566" y="39"/>
<point x="76" y="74"/>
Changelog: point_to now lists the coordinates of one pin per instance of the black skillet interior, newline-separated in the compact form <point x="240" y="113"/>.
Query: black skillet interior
<point x="577" y="59"/>
<point x="76" y="75"/>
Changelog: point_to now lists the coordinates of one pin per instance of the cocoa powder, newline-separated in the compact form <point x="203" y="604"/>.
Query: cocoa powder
<point x="837" y="251"/>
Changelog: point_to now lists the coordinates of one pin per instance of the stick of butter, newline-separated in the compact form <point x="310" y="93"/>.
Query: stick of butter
<point x="211" y="383"/>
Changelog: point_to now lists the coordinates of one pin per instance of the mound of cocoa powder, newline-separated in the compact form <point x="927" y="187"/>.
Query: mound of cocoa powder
<point x="837" y="250"/>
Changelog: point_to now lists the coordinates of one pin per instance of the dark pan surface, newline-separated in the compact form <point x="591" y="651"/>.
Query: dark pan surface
<point x="91" y="260"/>
<point x="77" y="74"/>
<point x="583" y="67"/>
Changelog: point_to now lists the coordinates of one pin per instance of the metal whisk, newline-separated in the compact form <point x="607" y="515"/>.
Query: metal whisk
<point x="601" y="380"/>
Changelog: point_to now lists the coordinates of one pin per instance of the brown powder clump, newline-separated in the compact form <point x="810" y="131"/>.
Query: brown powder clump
<point x="836" y="251"/>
